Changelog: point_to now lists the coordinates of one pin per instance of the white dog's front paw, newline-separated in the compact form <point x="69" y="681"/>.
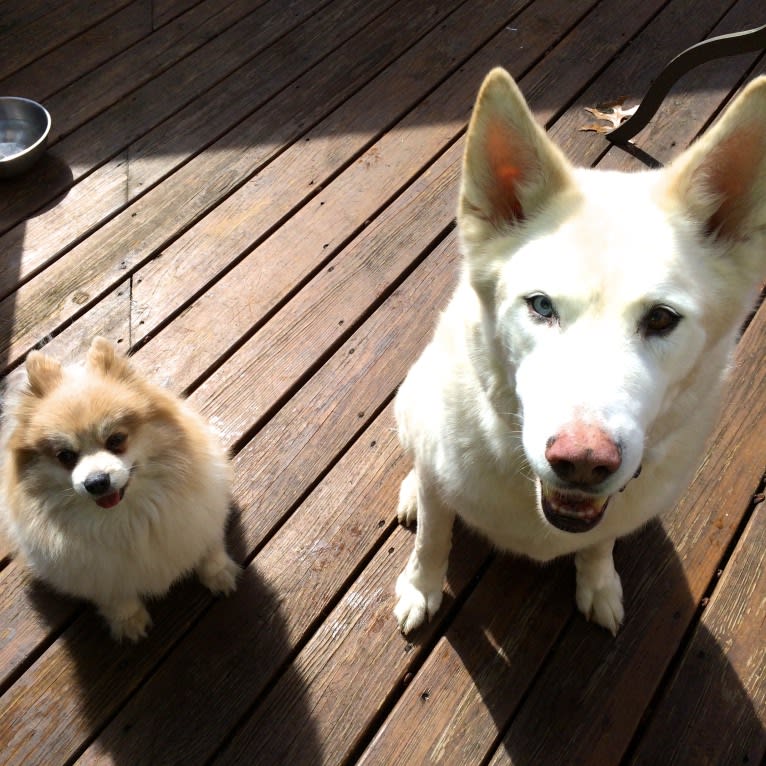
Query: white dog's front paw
<point x="413" y="605"/>
<point x="407" y="510"/>
<point x="129" y="620"/>
<point x="602" y="602"/>
<point x="219" y="574"/>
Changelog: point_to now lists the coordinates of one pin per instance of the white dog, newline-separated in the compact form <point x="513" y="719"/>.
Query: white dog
<point x="587" y="341"/>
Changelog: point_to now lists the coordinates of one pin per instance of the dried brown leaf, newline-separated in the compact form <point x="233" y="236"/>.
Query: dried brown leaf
<point x="611" y="112"/>
<point x="596" y="127"/>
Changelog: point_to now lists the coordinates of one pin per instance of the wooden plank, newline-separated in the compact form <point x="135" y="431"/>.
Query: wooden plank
<point x="48" y="714"/>
<point x="241" y="640"/>
<point x="56" y="26"/>
<point x="698" y="96"/>
<point x="74" y="59"/>
<point x="108" y="131"/>
<point x="164" y="11"/>
<point x="356" y="659"/>
<point x="29" y="614"/>
<point x="167" y="48"/>
<point x="301" y="440"/>
<point x="326" y="698"/>
<point x="333" y="304"/>
<point x="129" y="239"/>
<point x="318" y="229"/>
<point x="265" y="492"/>
<point x="97" y="68"/>
<point x="403" y="249"/>
<point x="13" y="14"/>
<point x="714" y="710"/>
<point x="669" y="574"/>
<point x="30" y="244"/>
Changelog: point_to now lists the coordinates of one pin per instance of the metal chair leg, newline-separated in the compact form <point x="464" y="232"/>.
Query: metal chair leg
<point x="716" y="47"/>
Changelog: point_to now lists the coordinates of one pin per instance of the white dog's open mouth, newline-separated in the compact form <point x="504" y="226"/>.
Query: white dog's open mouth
<point x="572" y="511"/>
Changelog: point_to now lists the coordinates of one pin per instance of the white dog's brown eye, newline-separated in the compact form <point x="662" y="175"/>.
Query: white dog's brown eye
<point x="68" y="458"/>
<point x="117" y="443"/>
<point x="659" y="320"/>
<point x="542" y="305"/>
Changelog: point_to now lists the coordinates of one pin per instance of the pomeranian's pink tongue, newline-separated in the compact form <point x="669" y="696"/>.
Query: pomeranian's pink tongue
<point x="110" y="500"/>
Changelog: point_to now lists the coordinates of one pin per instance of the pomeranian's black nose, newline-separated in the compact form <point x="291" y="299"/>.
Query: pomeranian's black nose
<point x="98" y="484"/>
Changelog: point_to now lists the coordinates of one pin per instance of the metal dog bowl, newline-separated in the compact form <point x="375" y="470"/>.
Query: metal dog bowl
<point x="24" y="128"/>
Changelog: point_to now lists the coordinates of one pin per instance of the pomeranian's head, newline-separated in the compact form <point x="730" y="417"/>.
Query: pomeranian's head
<point x="88" y="430"/>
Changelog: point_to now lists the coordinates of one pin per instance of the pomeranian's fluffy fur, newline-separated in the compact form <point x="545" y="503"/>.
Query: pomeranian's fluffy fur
<point x="113" y="488"/>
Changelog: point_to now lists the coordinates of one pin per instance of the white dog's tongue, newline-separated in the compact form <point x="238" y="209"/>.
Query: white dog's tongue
<point x="110" y="500"/>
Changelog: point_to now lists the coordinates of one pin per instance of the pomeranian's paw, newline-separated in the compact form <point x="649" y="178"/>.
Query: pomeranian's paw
<point x="128" y="620"/>
<point x="601" y="602"/>
<point x="407" y="510"/>
<point x="414" y="606"/>
<point x="219" y="574"/>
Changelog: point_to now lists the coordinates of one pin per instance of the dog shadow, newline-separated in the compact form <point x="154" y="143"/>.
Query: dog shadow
<point x="574" y="710"/>
<point x="131" y="703"/>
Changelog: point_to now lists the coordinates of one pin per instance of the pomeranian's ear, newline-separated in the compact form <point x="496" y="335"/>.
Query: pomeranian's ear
<point x="103" y="357"/>
<point x="720" y="181"/>
<point x="510" y="166"/>
<point x="43" y="373"/>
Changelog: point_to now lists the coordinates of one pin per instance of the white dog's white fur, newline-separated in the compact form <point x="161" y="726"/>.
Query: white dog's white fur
<point x="112" y="488"/>
<point x="588" y="339"/>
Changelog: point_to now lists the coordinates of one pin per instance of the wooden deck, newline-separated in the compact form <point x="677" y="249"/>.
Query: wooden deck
<point x="256" y="198"/>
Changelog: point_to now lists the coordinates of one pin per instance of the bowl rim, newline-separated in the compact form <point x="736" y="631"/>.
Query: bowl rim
<point x="43" y="137"/>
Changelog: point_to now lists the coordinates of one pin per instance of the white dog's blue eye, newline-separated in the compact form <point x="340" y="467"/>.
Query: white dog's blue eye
<point x="541" y="305"/>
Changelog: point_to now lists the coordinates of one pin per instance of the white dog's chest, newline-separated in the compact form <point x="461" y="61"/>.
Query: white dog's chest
<point x="507" y="516"/>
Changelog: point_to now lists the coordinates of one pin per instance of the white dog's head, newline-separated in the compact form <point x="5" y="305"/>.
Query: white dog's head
<point x="605" y="295"/>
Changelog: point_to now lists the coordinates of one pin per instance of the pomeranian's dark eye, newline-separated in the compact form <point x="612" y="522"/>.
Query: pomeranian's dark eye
<point x="117" y="443"/>
<point x="658" y="321"/>
<point x="542" y="306"/>
<point x="68" y="458"/>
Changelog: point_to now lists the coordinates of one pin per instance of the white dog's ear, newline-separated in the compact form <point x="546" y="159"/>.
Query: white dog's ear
<point x="720" y="180"/>
<point x="43" y="373"/>
<point x="103" y="357"/>
<point x="510" y="167"/>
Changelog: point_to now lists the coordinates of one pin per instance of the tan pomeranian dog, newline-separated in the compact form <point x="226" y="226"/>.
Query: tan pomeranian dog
<point x="112" y="488"/>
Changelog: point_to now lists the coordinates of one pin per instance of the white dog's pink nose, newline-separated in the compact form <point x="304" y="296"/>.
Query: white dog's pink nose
<point x="582" y="454"/>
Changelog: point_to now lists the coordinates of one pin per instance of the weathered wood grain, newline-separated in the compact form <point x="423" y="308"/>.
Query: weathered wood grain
<point x="25" y="38"/>
<point x="715" y="706"/>
<point x="348" y="668"/>
<point x="265" y="493"/>
<point x="133" y="236"/>
<point x="242" y="640"/>
<point x="457" y="705"/>
<point x="265" y="369"/>
<point x="699" y="95"/>
<point x="77" y="57"/>
<point x="290" y="283"/>
<point x="164" y="11"/>
<point x="113" y="125"/>
<point x="317" y="230"/>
